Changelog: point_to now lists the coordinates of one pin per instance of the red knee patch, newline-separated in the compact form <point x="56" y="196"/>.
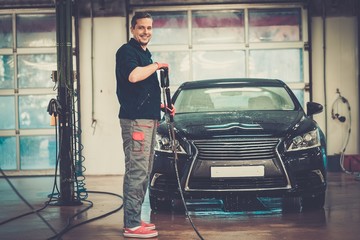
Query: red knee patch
<point x="138" y="136"/>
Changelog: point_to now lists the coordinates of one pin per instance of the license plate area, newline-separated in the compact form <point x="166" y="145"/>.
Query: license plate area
<point x="237" y="171"/>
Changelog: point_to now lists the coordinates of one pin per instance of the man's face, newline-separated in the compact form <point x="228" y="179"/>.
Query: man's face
<point x="142" y="31"/>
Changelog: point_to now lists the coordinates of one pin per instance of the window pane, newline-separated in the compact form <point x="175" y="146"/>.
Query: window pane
<point x="169" y="28"/>
<point x="178" y="64"/>
<point x="283" y="64"/>
<point x="6" y="72"/>
<point x="37" y="152"/>
<point x="8" y="153"/>
<point x="33" y="111"/>
<point x="36" y="30"/>
<point x="6" y="40"/>
<point x="7" y="113"/>
<point x="276" y="25"/>
<point x="34" y="71"/>
<point x="218" y="26"/>
<point x="218" y="64"/>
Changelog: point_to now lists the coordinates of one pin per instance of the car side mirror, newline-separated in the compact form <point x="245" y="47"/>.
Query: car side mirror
<point x="313" y="108"/>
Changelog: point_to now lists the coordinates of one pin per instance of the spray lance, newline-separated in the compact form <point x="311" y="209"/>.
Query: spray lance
<point x="168" y="106"/>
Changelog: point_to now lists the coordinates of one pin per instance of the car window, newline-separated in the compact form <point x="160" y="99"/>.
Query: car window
<point x="233" y="99"/>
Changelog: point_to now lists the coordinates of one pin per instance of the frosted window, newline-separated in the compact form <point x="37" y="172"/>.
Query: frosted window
<point x="283" y="64"/>
<point x="33" y="111"/>
<point x="34" y="71"/>
<point x="6" y="40"/>
<point x="37" y="152"/>
<point x="6" y="72"/>
<point x="7" y="113"/>
<point x="8" y="153"/>
<point x="218" y="26"/>
<point x="36" y="30"/>
<point x="275" y="25"/>
<point x="178" y="65"/>
<point x="218" y="64"/>
<point x="169" y="28"/>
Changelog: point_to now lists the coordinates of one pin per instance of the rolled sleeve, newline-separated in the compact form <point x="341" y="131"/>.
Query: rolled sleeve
<point x="127" y="61"/>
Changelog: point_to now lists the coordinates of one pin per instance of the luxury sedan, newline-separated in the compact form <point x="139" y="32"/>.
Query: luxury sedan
<point x="239" y="139"/>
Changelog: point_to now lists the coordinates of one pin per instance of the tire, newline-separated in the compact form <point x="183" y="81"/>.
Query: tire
<point x="160" y="204"/>
<point x="291" y="204"/>
<point x="313" y="202"/>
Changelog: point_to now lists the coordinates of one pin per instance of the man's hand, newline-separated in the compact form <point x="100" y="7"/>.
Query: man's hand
<point x="162" y="65"/>
<point x="171" y="111"/>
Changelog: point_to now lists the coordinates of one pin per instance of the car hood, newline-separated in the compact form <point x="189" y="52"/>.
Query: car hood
<point x="205" y="125"/>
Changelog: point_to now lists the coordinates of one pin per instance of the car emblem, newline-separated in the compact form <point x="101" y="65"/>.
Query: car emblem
<point x="228" y="126"/>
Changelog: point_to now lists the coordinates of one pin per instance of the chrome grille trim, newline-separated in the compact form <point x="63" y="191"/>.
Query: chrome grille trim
<point x="236" y="149"/>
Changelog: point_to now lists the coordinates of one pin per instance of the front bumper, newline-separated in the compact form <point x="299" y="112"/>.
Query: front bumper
<point x="299" y="173"/>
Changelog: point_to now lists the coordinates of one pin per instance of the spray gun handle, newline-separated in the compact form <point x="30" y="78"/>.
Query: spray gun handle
<point x="164" y="80"/>
<point x="164" y="77"/>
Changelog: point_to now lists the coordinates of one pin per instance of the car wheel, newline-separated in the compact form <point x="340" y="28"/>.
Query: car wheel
<point x="160" y="204"/>
<point x="313" y="202"/>
<point x="291" y="204"/>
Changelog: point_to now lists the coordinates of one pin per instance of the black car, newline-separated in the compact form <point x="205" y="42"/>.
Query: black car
<point x="238" y="139"/>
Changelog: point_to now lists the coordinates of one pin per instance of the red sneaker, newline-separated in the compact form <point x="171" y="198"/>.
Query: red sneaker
<point x="140" y="232"/>
<point x="149" y="226"/>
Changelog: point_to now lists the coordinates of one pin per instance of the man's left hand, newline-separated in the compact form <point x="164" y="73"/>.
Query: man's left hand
<point x="171" y="111"/>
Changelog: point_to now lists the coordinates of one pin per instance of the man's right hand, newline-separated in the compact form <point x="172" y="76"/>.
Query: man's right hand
<point x="162" y="65"/>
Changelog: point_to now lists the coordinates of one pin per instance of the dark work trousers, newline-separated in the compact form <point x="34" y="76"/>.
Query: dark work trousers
<point x="138" y="143"/>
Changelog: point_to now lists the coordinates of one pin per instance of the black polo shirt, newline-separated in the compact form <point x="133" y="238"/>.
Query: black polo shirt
<point x="139" y="100"/>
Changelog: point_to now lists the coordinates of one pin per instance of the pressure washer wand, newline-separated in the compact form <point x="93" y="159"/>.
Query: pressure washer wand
<point x="164" y="75"/>
<point x="164" y="79"/>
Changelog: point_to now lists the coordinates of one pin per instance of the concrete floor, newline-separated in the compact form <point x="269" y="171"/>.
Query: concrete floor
<point x="340" y="218"/>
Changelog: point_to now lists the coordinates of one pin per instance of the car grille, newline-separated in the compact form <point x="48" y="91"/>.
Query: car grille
<point x="236" y="149"/>
<point x="244" y="149"/>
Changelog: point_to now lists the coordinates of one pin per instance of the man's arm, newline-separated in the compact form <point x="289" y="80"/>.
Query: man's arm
<point x="141" y="73"/>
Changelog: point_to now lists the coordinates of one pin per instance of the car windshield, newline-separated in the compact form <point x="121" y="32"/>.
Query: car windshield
<point x="233" y="99"/>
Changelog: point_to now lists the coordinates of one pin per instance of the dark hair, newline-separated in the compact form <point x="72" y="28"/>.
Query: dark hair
<point x="139" y="15"/>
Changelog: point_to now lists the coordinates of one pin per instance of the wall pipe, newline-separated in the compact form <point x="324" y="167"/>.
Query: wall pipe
<point x="358" y="59"/>
<point x="127" y="14"/>
<point x="323" y="16"/>
<point x="309" y="25"/>
<point x="93" y="120"/>
<point x="78" y="92"/>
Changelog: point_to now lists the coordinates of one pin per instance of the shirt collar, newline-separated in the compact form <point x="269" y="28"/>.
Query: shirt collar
<point x="136" y="44"/>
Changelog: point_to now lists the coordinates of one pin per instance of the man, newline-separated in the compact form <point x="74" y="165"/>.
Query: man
<point x="138" y="93"/>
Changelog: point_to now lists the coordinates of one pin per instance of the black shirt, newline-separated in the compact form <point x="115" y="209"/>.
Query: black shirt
<point x="139" y="100"/>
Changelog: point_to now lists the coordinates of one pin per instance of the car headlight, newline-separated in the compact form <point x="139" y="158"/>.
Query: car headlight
<point x="164" y="144"/>
<point x="308" y="140"/>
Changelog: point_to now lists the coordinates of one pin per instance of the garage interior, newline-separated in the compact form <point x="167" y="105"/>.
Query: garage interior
<point x="30" y="181"/>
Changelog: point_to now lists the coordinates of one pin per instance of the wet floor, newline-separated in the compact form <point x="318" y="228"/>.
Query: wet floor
<point x="340" y="218"/>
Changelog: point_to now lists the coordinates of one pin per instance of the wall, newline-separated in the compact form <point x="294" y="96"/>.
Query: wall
<point x="341" y="73"/>
<point x="103" y="144"/>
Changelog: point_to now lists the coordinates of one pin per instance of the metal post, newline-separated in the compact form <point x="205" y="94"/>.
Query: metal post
<point x="65" y="92"/>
